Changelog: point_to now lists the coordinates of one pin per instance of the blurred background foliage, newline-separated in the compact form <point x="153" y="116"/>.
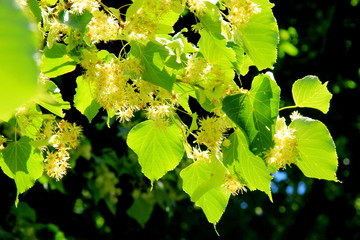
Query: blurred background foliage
<point x="105" y="195"/>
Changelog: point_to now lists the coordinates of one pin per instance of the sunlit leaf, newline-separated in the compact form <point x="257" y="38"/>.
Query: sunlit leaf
<point x="84" y="100"/>
<point x="309" y="92"/>
<point x="152" y="58"/>
<point x="18" y="67"/>
<point x="56" y="61"/>
<point x="78" y="21"/>
<point x="23" y="163"/>
<point x="255" y="111"/>
<point x="212" y="43"/>
<point x="159" y="148"/>
<point x="317" y="156"/>
<point x="203" y="182"/>
<point x="51" y="99"/>
<point x="250" y="169"/>
<point x="260" y="36"/>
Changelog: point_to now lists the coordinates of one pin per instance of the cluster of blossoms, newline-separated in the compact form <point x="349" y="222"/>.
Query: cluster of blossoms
<point x="79" y="6"/>
<point x="211" y="132"/>
<point x="103" y="27"/>
<point x="142" y="25"/>
<point x="284" y="151"/>
<point x="233" y="185"/>
<point x="60" y="137"/>
<point x="199" y="155"/>
<point x="215" y="80"/>
<point x="118" y="87"/>
<point x="240" y="11"/>
<point x="196" y="6"/>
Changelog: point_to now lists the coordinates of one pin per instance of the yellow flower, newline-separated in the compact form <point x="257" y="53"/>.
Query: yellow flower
<point x="56" y="164"/>
<point x="284" y="151"/>
<point x="233" y="185"/>
<point x="240" y="11"/>
<point x="199" y="155"/>
<point x="211" y="132"/>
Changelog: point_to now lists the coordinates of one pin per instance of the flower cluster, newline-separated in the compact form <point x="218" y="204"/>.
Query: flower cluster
<point x="197" y="6"/>
<point x="240" y="11"/>
<point x="103" y="27"/>
<point x="142" y="25"/>
<point x="284" y="151"/>
<point x="56" y="163"/>
<point x="199" y="155"/>
<point x="61" y="137"/>
<point x="117" y="86"/>
<point x="216" y="80"/>
<point x="211" y="132"/>
<point x="233" y="185"/>
<point x="79" y="6"/>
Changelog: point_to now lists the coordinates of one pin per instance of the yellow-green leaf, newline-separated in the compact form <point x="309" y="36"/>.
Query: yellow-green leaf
<point x="317" y="156"/>
<point x="23" y="163"/>
<point x="84" y="100"/>
<point x="310" y="92"/>
<point x="18" y="68"/>
<point x="203" y="182"/>
<point x="159" y="148"/>
<point x="249" y="168"/>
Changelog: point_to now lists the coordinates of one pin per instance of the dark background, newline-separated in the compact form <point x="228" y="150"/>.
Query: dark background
<point x="328" y="46"/>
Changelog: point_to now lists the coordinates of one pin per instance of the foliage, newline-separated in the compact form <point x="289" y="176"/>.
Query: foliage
<point x="236" y="140"/>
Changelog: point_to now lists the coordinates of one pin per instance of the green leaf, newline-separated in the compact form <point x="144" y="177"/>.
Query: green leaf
<point x="212" y="43"/>
<point x="203" y="182"/>
<point x="260" y="36"/>
<point x="309" y="92"/>
<point x="141" y="210"/>
<point x="30" y="122"/>
<point x="56" y="61"/>
<point x="167" y="20"/>
<point x="214" y="50"/>
<point x="185" y="91"/>
<point x="159" y="148"/>
<point x="256" y="111"/>
<point x="152" y="57"/>
<point x="249" y="168"/>
<point x="84" y="100"/>
<point x="18" y="71"/>
<point x="78" y="21"/>
<point x="317" y="156"/>
<point x="22" y="163"/>
<point x="35" y="9"/>
<point x="51" y="99"/>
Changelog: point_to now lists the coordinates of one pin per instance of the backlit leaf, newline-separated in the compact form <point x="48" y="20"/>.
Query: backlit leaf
<point x="84" y="100"/>
<point x="18" y="68"/>
<point x="56" y="61"/>
<point x="78" y="21"/>
<point x="309" y="92"/>
<point x="212" y="43"/>
<point x="152" y="57"/>
<point x="317" y="156"/>
<point x="159" y="148"/>
<point x="23" y="163"/>
<point x="255" y="111"/>
<point x="260" y="36"/>
<point x="52" y="100"/>
<point x="249" y="168"/>
<point x="203" y="182"/>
